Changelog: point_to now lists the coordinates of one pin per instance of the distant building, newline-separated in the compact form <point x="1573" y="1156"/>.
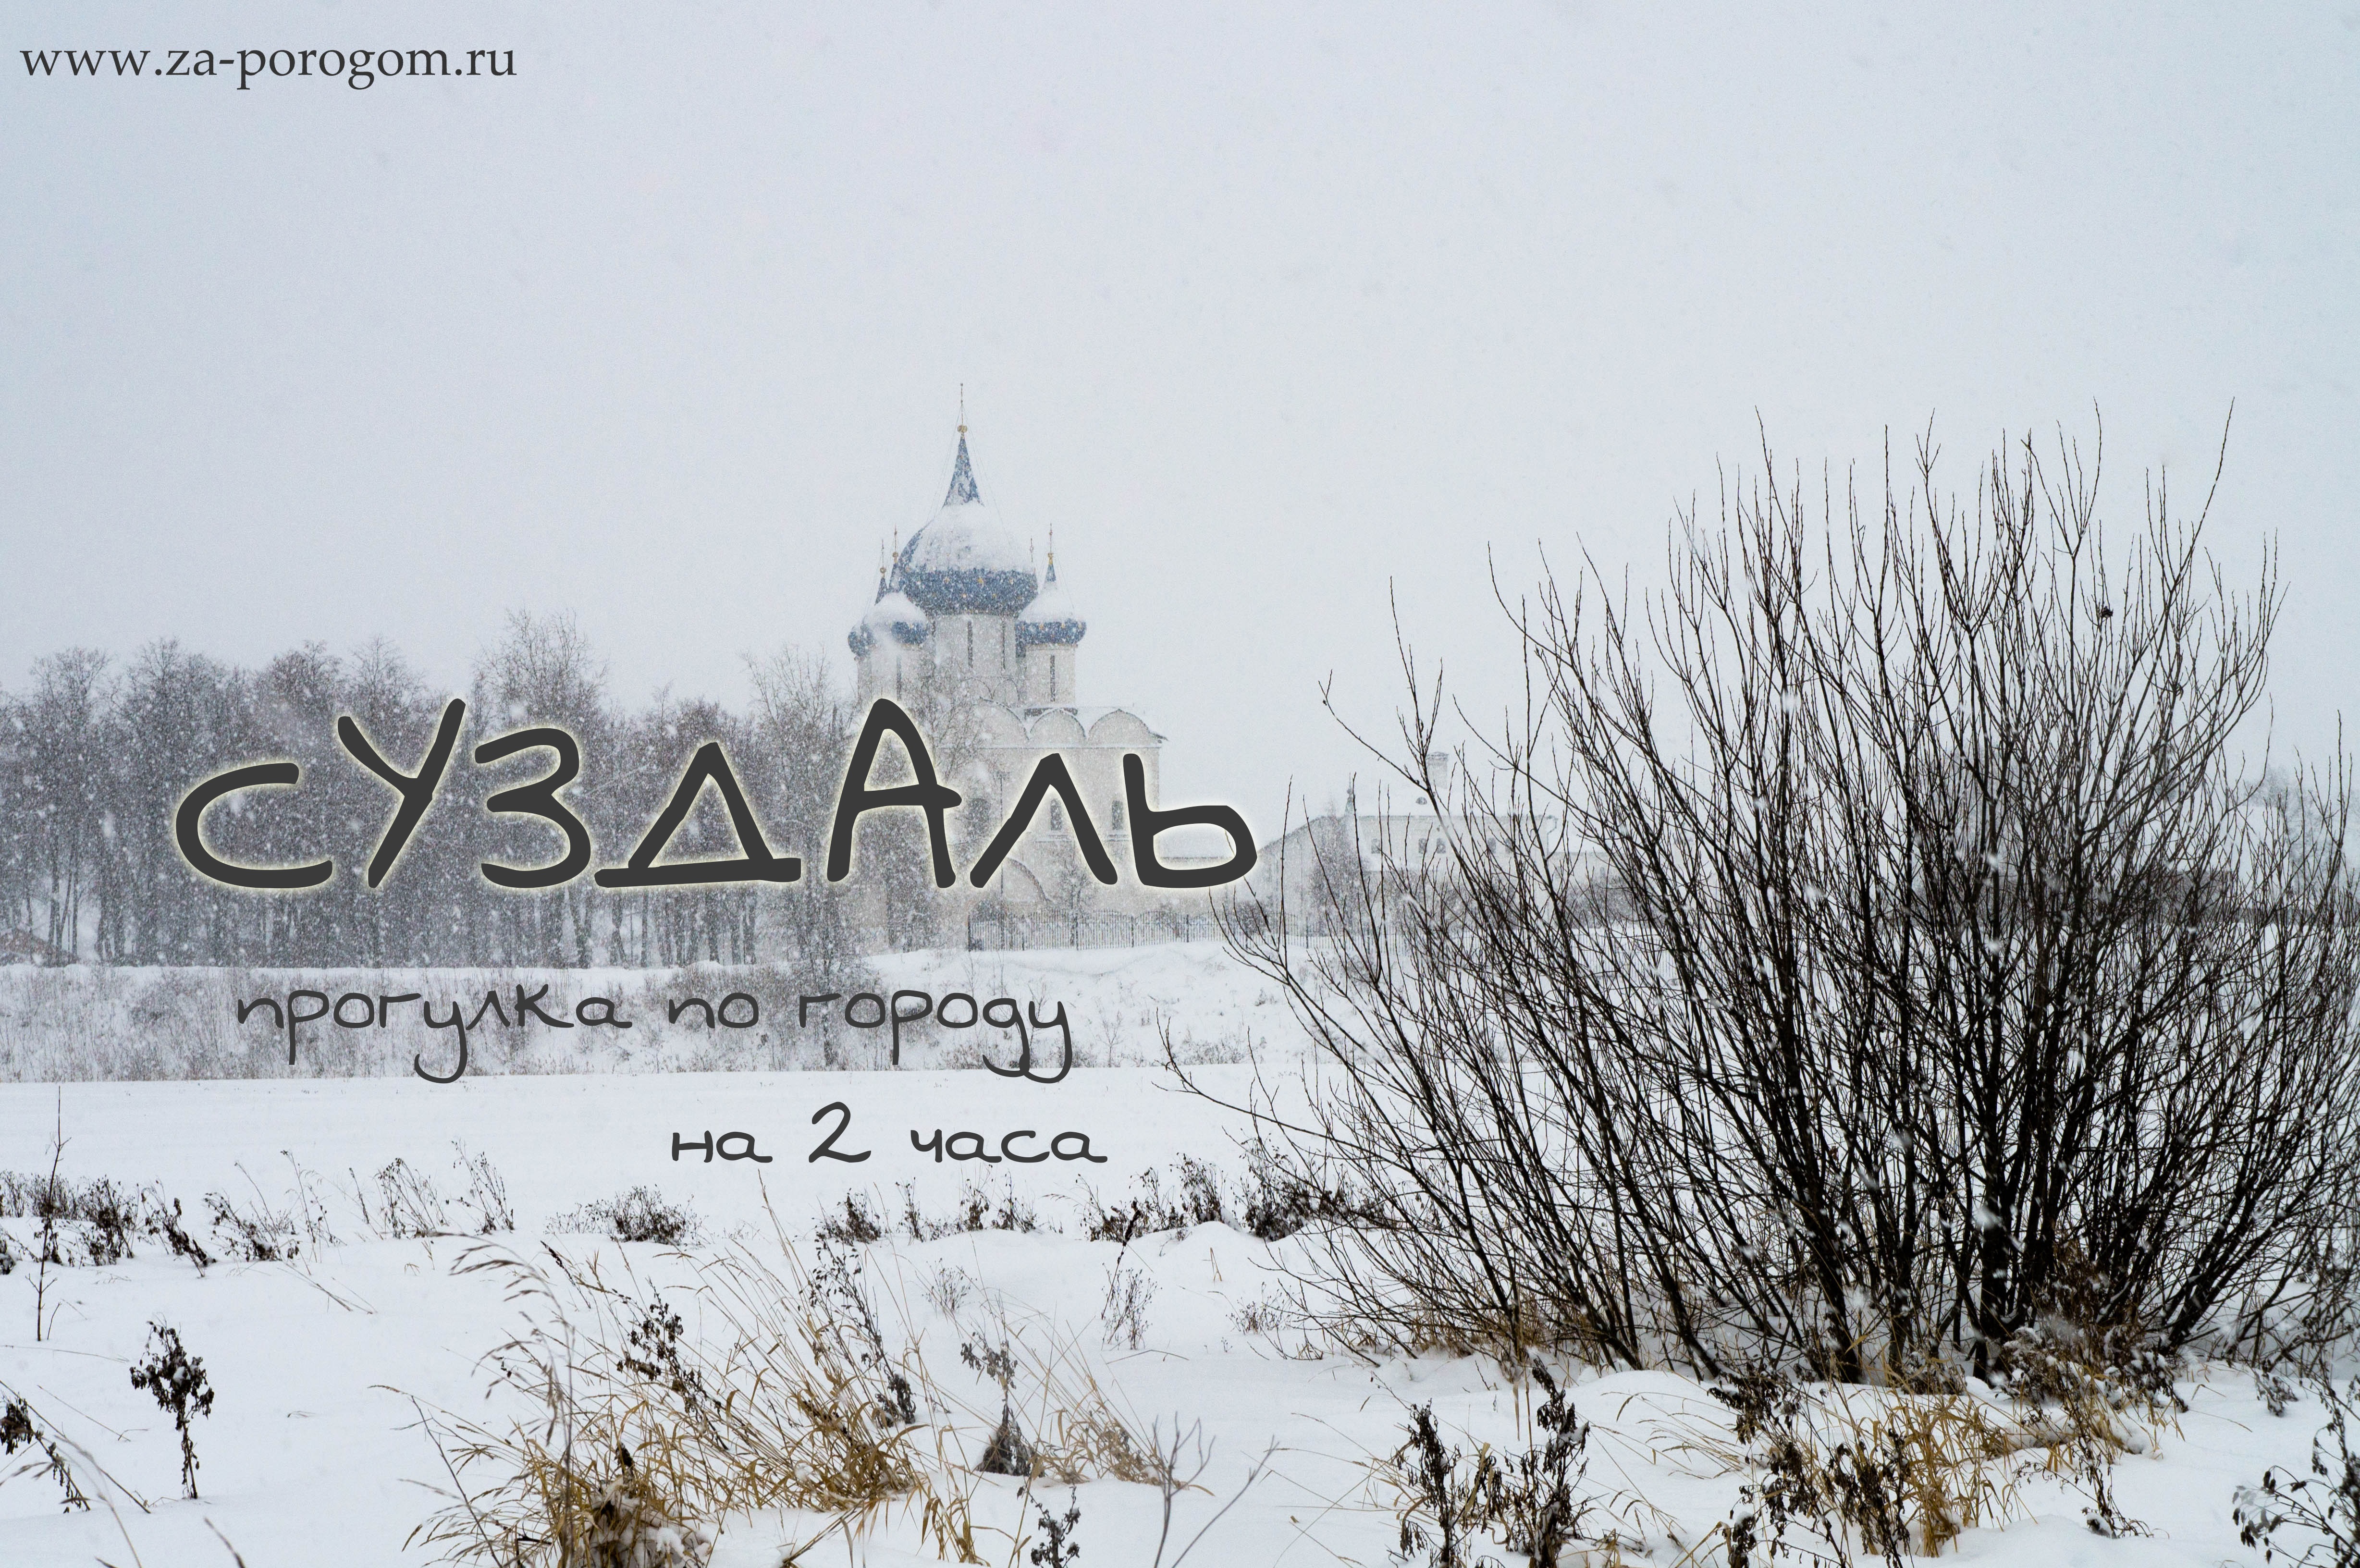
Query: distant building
<point x="1316" y="868"/>
<point x="959" y="609"/>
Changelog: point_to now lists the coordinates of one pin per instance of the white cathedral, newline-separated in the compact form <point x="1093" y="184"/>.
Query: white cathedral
<point x="959" y="607"/>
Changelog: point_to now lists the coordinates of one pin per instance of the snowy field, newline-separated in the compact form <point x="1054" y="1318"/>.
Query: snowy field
<point x="322" y="1366"/>
<point x="86" y="1021"/>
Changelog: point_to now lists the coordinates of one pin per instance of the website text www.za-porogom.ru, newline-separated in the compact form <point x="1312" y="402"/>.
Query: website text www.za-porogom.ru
<point x="354" y="67"/>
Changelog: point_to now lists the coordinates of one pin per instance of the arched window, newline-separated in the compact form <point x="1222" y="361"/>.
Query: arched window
<point x="970" y="644"/>
<point x="1117" y="814"/>
<point x="1056" y="813"/>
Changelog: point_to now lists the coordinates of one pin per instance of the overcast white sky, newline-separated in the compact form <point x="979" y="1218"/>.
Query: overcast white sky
<point x="1262" y="308"/>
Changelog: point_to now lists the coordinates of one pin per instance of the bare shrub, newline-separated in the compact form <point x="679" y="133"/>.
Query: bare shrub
<point x="1083" y="1435"/>
<point x="1077" y="1432"/>
<point x="1859" y="953"/>
<point x="47" y="1253"/>
<point x="979" y="1210"/>
<point x="2304" y="1316"/>
<point x="2103" y="1387"/>
<point x="652" y="1349"/>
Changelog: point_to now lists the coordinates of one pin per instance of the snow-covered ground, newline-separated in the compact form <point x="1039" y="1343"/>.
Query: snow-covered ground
<point x="313" y="1453"/>
<point x="86" y="1021"/>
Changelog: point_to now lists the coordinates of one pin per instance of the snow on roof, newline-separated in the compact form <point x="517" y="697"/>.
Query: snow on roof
<point x="1088" y="717"/>
<point x="965" y="535"/>
<point x="1052" y="618"/>
<point x="1053" y="604"/>
<point x="892" y="615"/>
<point x="965" y="561"/>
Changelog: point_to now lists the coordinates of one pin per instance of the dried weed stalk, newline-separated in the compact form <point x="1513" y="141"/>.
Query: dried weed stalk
<point x="770" y="1382"/>
<point x="643" y="1437"/>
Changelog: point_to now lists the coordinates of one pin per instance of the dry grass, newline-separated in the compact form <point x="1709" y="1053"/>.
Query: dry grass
<point x="771" y="1383"/>
<point x="643" y="1436"/>
<point x="1082" y="1434"/>
<point x="1837" y="1473"/>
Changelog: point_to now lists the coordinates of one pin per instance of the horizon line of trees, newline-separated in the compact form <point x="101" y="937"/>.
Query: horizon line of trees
<point x="94" y="756"/>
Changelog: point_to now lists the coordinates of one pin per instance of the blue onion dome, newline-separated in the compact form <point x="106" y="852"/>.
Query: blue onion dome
<point x="965" y="561"/>
<point x="1052" y="619"/>
<point x="891" y="617"/>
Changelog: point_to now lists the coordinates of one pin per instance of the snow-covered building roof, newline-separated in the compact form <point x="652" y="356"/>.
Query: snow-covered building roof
<point x="1052" y="619"/>
<point x="893" y="616"/>
<point x="965" y="561"/>
<point x="961" y="616"/>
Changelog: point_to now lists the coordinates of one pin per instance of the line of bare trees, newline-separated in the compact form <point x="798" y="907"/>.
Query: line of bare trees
<point x="1868" y="950"/>
<point x="93" y="758"/>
